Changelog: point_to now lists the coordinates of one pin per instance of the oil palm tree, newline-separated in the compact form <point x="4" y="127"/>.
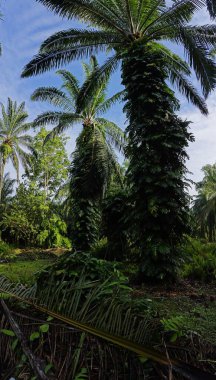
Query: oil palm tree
<point x="135" y="30"/>
<point x="15" y="144"/>
<point x="7" y="189"/>
<point x="204" y="207"/>
<point x="94" y="159"/>
<point x="6" y="195"/>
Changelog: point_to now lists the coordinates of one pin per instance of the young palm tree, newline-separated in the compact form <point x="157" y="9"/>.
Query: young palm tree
<point x="15" y="144"/>
<point x="94" y="160"/>
<point x="135" y="30"/>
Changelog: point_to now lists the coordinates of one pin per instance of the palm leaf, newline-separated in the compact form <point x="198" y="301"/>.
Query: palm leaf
<point x="98" y="77"/>
<point x="75" y="315"/>
<point x="52" y="95"/>
<point x="108" y="103"/>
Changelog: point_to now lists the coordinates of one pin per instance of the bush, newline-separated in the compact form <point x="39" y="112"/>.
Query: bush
<point x="200" y="263"/>
<point x="72" y="267"/>
<point x="5" y="251"/>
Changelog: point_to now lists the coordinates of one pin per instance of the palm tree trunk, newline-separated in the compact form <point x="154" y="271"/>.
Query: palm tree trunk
<point x="86" y="189"/>
<point x="156" y="152"/>
<point x="2" y="167"/>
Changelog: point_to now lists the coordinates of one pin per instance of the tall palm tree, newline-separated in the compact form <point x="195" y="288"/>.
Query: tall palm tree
<point x="135" y="30"/>
<point x="6" y="195"/>
<point x="94" y="160"/>
<point x="15" y="144"/>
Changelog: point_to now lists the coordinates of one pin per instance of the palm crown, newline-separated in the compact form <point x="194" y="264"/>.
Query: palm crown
<point x="91" y="114"/>
<point x="15" y="144"/>
<point x="121" y="23"/>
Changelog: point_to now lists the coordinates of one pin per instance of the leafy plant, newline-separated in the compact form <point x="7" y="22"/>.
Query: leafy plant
<point x="32" y="219"/>
<point x="82" y="375"/>
<point x="115" y="223"/>
<point x="5" y="251"/>
<point x="200" y="260"/>
<point x="70" y="267"/>
<point x="175" y="326"/>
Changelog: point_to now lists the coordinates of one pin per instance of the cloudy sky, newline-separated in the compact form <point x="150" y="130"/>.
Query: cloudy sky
<point x="26" y="23"/>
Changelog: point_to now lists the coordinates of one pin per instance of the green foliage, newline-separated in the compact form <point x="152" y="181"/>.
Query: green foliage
<point x="32" y="220"/>
<point x="71" y="265"/>
<point x="7" y="332"/>
<point x="115" y="223"/>
<point x="15" y="144"/>
<point x="156" y="173"/>
<point x="49" y="168"/>
<point x="85" y="223"/>
<point x="175" y="326"/>
<point x="5" y="250"/>
<point x="82" y="375"/>
<point x="204" y="208"/>
<point x="200" y="261"/>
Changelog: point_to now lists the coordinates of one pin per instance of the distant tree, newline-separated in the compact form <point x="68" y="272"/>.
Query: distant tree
<point x="49" y="168"/>
<point x="204" y="207"/>
<point x="94" y="160"/>
<point x="15" y="144"/>
<point x="6" y="195"/>
<point x="32" y="220"/>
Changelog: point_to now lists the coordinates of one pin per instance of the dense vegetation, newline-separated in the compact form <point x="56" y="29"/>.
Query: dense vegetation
<point x="136" y="251"/>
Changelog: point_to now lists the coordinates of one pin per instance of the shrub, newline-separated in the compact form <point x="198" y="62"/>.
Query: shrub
<point x="5" y="251"/>
<point x="200" y="263"/>
<point x="75" y="266"/>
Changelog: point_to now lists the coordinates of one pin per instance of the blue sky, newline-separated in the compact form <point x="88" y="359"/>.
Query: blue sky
<point x="26" y="23"/>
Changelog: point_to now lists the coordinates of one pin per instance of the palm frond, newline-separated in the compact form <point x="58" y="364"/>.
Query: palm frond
<point x="65" y="121"/>
<point x="77" y="37"/>
<point x="47" y="118"/>
<point x="199" y="58"/>
<point x="52" y="95"/>
<point x="107" y="320"/>
<point x="97" y="12"/>
<point x="98" y="78"/>
<point x="187" y="89"/>
<point x="107" y="104"/>
<point x="70" y="82"/>
<point x="56" y="58"/>
<point x="205" y="35"/>
<point x="114" y="134"/>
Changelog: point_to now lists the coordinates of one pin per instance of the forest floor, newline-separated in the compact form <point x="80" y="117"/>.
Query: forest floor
<point x="194" y="302"/>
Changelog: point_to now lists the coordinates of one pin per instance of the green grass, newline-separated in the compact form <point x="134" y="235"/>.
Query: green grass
<point x="23" y="271"/>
